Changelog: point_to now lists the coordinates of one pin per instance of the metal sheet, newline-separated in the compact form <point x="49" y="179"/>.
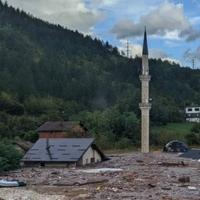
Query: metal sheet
<point x="193" y="154"/>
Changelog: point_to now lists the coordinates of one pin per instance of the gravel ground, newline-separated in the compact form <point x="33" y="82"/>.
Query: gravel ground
<point x="153" y="176"/>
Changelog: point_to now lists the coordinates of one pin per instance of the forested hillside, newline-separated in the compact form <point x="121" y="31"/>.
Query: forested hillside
<point x="48" y="73"/>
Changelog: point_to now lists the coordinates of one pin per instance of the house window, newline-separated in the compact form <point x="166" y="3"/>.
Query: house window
<point x="92" y="160"/>
<point x="189" y="109"/>
<point x="196" y="109"/>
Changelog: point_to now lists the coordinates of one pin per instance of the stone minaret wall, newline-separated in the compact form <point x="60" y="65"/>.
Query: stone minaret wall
<point x="145" y="106"/>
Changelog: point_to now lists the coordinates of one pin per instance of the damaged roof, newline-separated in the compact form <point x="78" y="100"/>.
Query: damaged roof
<point x="60" y="150"/>
<point x="57" y="126"/>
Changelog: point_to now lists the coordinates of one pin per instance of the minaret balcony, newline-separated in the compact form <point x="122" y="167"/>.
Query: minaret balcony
<point x="145" y="77"/>
<point x="145" y="105"/>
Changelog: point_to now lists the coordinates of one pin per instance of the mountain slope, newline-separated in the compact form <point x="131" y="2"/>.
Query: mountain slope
<point x="41" y="59"/>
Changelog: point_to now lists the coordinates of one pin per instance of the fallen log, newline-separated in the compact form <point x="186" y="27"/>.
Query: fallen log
<point x="184" y="179"/>
<point x="81" y="183"/>
<point x="173" y="164"/>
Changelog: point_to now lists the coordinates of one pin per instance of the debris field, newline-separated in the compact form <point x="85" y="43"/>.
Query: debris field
<point x="152" y="176"/>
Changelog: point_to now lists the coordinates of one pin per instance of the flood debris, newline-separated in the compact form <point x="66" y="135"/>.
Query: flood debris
<point x="101" y="170"/>
<point x="89" y="182"/>
<point x="151" y="185"/>
<point x="156" y="176"/>
<point x="192" y="188"/>
<point x="11" y="183"/>
<point x="184" y="179"/>
<point x="173" y="164"/>
<point x="166" y="188"/>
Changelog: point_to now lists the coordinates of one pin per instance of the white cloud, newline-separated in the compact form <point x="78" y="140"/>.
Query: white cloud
<point x="104" y="2"/>
<point x="166" y="20"/>
<point x="190" y="34"/>
<point x="73" y="14"/>
<point x="195" y="20"/>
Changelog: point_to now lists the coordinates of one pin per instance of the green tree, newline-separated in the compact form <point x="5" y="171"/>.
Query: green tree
<point x="9" y="156"/>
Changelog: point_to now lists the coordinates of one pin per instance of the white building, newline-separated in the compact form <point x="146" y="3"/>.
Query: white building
<point x="192" y="114"/>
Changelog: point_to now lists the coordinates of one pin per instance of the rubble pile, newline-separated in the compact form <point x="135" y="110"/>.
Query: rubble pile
<point x="152" y="176"/>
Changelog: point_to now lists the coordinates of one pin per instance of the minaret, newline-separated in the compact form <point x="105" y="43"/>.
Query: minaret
<point x="145" y="106"/>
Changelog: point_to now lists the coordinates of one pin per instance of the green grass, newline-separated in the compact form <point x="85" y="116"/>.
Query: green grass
<point x="171" y="131"/>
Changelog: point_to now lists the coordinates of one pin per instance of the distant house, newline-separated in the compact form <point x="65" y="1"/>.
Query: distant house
<point x="63" y="152"/>
<point x="192" y="114"/>
<point x="62" y="129"/>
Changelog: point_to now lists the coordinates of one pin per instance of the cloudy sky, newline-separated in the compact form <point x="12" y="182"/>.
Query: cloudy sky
<point x="173" y="26"/>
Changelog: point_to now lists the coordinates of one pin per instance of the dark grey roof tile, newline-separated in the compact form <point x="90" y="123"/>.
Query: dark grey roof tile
<point x="60" y="149"/>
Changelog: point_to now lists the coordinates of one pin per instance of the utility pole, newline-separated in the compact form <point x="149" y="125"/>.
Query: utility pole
<point x="127" y="49"/>
<point x="193" y="63"/>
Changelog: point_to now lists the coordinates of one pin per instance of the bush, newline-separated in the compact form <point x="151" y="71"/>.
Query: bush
<point x="193" y="138"/>
<point x="9" y="157"/>
<point x="123" y="143"/>
<point x="111" y="126"/>
<point x="196" y="128"/>
<point x="9" y="105"/>
<point x="31" y="136"/>
<point x="40" y="105"/>
<point x="105" y="140"/>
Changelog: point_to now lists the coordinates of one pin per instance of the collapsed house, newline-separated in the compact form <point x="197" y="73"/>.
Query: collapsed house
<point x="57" y="146"/>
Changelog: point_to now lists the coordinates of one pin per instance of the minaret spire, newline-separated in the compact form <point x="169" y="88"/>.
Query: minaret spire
<point x="145" y="46"/>
<point x="145" y="106"/>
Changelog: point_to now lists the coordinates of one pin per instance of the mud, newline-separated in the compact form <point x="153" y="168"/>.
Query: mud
<point x="153" y="176"/>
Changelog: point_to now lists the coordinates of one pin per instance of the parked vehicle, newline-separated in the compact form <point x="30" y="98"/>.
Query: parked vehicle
<point x="175" y="146"/>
